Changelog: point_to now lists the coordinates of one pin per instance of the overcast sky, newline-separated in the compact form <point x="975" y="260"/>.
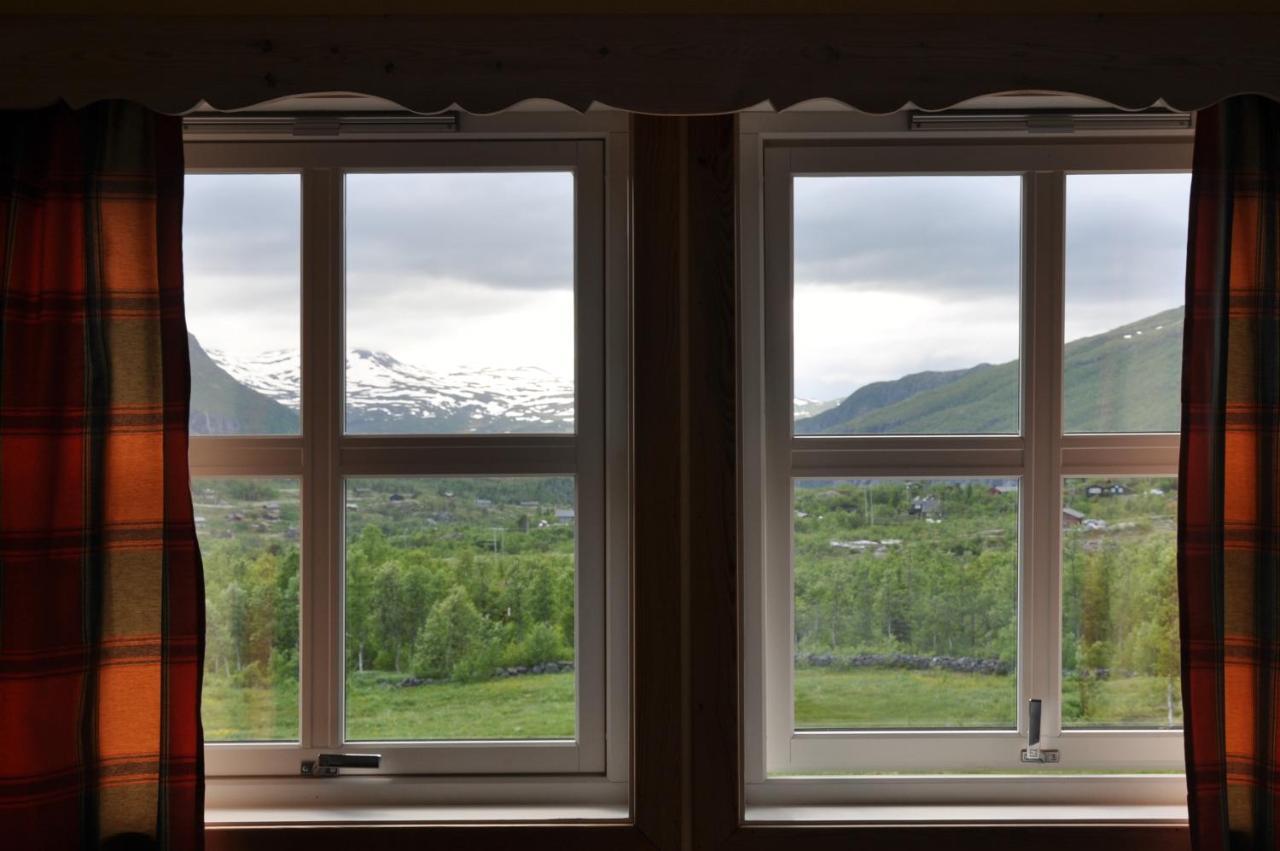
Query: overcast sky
<point x="893" y="275"/>
<point x="442" y="270"/>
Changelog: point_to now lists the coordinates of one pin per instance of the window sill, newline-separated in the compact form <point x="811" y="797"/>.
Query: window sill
<point x="1058" y="814"/>
<point x="452" y="814"/>
<point x="369" y="799"/>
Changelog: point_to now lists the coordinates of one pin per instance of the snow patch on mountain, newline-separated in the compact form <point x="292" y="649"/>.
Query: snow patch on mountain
<point x="386" y="395"/>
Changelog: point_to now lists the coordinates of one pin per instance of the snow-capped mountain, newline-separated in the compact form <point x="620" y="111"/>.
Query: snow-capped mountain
<point x="387" y="396"/>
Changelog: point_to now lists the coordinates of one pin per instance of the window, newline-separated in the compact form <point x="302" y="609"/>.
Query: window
<point x="965" y="393"/>
<point x="402" y="367"/>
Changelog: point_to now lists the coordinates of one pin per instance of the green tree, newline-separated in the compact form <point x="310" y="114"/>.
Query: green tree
<point x="400" y="598"/>
<point x="454" y="629"/>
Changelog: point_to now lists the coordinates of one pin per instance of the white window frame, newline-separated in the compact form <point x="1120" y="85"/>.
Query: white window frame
<point x="592" y="768"/>
<point x="922" y="767"/>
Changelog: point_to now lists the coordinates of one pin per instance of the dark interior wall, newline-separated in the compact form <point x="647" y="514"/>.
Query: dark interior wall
<point x="659" y="64"/>
<point x="588" y="7"/>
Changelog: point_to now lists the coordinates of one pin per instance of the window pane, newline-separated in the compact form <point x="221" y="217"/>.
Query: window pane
<point x="906" y="304"/>
<point x="906" y="603"/>
<point x="1120" y="656"/>
<point x="1126" y="275"/>
<point x="460" y="608"/>
<point x="248" y="531"/>
<point x="460" y="312"/>
<point x="241" y="244"/>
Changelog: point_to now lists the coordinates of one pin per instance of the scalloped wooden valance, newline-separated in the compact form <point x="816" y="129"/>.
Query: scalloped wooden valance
<point x="669" y="64"/>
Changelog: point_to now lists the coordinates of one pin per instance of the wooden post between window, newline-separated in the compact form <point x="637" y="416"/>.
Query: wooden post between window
<point x="685" y="480"/>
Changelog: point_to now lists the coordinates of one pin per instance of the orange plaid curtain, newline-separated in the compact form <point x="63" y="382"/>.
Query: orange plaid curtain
<point x="101" y="596"/>
<point x="1229" y="528"/>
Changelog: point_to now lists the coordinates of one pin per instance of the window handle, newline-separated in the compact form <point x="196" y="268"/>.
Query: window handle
<point x="329" y="764"/>
<point x="1033" y="752"/>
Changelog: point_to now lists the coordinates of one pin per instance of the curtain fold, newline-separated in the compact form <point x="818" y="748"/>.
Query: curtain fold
<point x="101" y="593"/>
<point x="1229" y="505"/>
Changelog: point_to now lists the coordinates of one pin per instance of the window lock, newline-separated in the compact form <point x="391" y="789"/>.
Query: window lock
<point x="1033" y="752"/>
<point x="328" y="764"/>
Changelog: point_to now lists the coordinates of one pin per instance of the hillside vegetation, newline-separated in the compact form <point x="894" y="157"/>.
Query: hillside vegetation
<point x="1125" y="380"/>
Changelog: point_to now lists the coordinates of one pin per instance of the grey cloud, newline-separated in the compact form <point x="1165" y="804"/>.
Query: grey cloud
<point x="505" y="231"/>
<point x="242" y="224"/>
<point x="909" y="234"/>
<point x="940" y="236"/>
<point x="1126" y="238"/>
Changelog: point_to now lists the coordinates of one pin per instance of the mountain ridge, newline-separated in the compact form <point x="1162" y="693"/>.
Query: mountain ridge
<point x="388" y="396"/>
<point x="1123" y="380"/>
<point x="1127" y="379"/>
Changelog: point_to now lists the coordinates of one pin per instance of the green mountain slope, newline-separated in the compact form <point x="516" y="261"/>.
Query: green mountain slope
<point x="222" y="405"/>
<point x="877" y="395"/>
<point x="1125" y="380"/>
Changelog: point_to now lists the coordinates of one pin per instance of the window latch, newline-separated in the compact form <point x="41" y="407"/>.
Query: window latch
<point x="328" y="764"/>
<point x="1033" y="752"/>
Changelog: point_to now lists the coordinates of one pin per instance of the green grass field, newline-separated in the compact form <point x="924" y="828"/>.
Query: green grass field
<point x="872" y="697"/>
<point x="237" y="714"/>
<point x="532" y="707"/>
<point x="538" y="706"/>
<point x="541" y="706"/>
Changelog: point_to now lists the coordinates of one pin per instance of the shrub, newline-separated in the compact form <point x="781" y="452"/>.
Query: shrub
<point x="481" y="663"/>
<point x="543" y="644"/>
<point x="284" y="667"/>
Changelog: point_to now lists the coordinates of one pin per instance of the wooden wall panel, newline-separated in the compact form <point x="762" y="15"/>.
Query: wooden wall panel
<point x="685" y="436"/>
<point x="669" y="64"/>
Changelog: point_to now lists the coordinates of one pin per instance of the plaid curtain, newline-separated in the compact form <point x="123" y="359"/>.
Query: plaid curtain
<point x="1229" y="506"/>
<point x="101" y="594"/>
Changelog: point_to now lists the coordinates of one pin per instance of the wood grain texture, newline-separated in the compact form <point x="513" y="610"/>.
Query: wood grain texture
<point x="712" y="408"/>
<point x="659" y="499"/>
<point x="686" y="534"/>
<point x="666" y="64"/>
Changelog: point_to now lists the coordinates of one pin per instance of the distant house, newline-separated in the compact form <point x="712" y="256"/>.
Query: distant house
<point x="925" y="506"/>
<point x="999" y="489"/>
<point x="1071" y="517"/>
<point x="1106" y="489"/>
<point x="483" y="503"/>
<point x="564" y="516"/>
<point x="395" y="497"/>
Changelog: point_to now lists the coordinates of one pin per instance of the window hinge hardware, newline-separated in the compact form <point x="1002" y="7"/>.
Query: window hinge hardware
<point x="1033" y="752"/>
<point x="328" y="764"/>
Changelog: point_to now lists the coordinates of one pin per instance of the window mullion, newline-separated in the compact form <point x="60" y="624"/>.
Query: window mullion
<point x="321" y="674"/>
<point x="1040" y="604"/>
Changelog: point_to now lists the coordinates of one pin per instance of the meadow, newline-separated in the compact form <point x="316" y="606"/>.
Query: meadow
<point x="541" y="706"/>
<point x="456" y="584"/>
